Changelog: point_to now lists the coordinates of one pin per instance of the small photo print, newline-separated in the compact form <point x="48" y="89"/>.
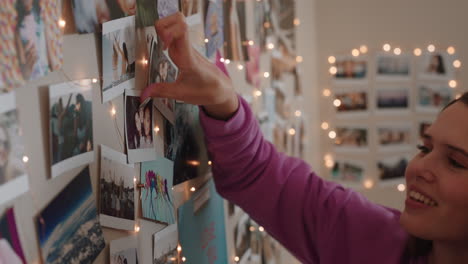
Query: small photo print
<point x="392" y="99"/>
<point x="393" y="67"/>
<point x="165" y="246"/>
<point x="433" y="97"/>
<point x="351" y="69"/>
<point x="71" y="125"/>
<point x="124" y="250"/>
<point x="394" y="136"/>
<point x="157" y="201"/>
<point x="12" y="252"/>
<point x="392" y="168"/>
<point x="117" y="191"/>
<point x="13" y="178"/>
<point x="435" y="66"/>
<point x="161" y="69"/>
<point x="351" y="138"/>
<point x="118" y="57"/>
<point x="138" y="128"/>
<point x="253" y="66"/>
<point x="189" y="7"/>
<point x="70" y="221"/>
<point x="167" y="7"/>
<point x="347" y="171"/>
<point x="165" y="140"/>
<point x="214" y="27"/>
<point x="352" y="102"/>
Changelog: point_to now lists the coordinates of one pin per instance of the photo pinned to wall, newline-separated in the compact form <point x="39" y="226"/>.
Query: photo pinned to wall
<point x="280" y="100"/>
<point x="157" y="201"/>
<point x="393" y="67"/>
<point x="351" y="70"/>
<point x="165" y="246"/>
<point x="284" y="11"/>
<point x="33" y="46"/>
<point x="191" y="160"/>
<point x="242" y="239"/>
<point x="214" y="27"/>
<point x="394" y="136"/>
<point x="138" y="128"/>
<point x="260" y="28"/>
<point x="191" y="10"/>
<point x="117" y="190"/>
<point x="118" y="57"/>
<point x="348" y="171"/>
<point x="392" y="168"/>
<point x="252" y="66"/>
<point x="124" y="250"/>
<point x="435" y="66"/>
<point x="283" y="60"/>
<point x="70" y="221"/>
<point x="351" y="139"/>
<point x="10" y="244"/>
<point x="161" y="67"/>
<point x="352" y="102"/>
<point x="235" y="31"/>
<point x="13" y="177"/>
<point x="165" y="140"/>
<point x="433" y="97"/>
<point x="279" y="139"/>
<point x="71" y="125"/>
<point x="201" y="225"/>
<point x="89" y="16"/>
<point x="392" y="99"/>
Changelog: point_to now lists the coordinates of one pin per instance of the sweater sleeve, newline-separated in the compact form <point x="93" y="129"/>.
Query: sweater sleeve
<point x="314" y="219"/>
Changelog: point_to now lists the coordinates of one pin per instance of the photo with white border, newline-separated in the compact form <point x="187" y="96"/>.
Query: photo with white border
<point x="393" y="136"/>
<point x="165" y="245"/>
<point x="122" y="249"/>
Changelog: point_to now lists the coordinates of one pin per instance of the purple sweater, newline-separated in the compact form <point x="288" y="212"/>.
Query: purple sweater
<point x="316" y="220"/>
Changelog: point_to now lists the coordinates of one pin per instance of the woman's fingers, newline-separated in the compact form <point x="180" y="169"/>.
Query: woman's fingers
<point x="165" y="90"/>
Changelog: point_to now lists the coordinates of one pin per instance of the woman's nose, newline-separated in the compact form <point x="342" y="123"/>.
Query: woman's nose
<point x="426" y="168"/>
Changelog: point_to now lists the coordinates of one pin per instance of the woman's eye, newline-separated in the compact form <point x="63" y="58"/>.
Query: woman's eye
<point x="423" y="149"/>
<point x="455" y="164"/>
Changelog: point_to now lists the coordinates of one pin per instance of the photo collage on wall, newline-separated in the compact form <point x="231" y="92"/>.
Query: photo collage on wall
<point x="400" y="87"/>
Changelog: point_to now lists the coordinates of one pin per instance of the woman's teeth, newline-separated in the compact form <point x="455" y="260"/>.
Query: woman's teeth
<point x="422" y="199"/>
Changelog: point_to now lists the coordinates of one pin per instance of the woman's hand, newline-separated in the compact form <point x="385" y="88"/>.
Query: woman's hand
<point x="199" y="81"/>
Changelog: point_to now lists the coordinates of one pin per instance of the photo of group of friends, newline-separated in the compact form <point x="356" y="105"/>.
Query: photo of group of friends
<point x="347" y="171"/>
<point x="350" y="69"/>
<point x="124" y="250"/>
<point x="71" y="125"/>
<point x="349" y="137"/>
<point x="393" y="136"/>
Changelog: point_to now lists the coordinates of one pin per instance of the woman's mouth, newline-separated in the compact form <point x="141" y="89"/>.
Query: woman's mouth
<point x="421" y="198"/>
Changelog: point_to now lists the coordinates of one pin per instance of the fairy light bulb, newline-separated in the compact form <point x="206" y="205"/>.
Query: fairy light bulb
<point x="328" y="157"/>
<point x="252" y="228"/>
<point x="25" y="159"/>
<point x="417" y="52"/>
<point x="457" y="64"/>
<point x="452" y="84"/>
<point x="401" y="187"/>
<point x="258" y="93"/>
<point x="326" y="92"/>
<point x="209" y="163"/>
<point x="331" y="59"/>
<point x="266" y="74"/>
<point x="368" y="184"/>
<point x="333" y="70"/>
<point x="94" y="80"/>
<point x="329" y="163"/>
<point x="137" y="229"/>
<point x="266" y="25"/>
<point x="324" y="125"/>
<point x="355" y="52"/>
<point x="261" y="229"/>
<point x="332" y="134"/>
<point x="270" y="46"/>
<point x="397" y="51"/>
<point x="337" y="102"/>
<point x="156" y="129"/>
<point x="134" y="180"/>
<point x="431" y="48"/>
<point x="240" y="67"/>
<point x="236" y="259"/>
<point x="299" y="59"/>
<point x="221" y="59"/>
<point x="363" y="49"/>
<point x="184" y="259"/>
<point x="387" y="47"/>
<point x="193" y="189"/>
<point x="251" y="42"/>
<point x="179" y="248"/>
<point x="207" y="40"/>
<point x="227" y="61"/>
<point x="297" y="22"/>
<point x="298" y="113"/>
<point x="292" y="131"/>
<point x="144" y="61"/>
<point x="113" y="112"/>
<point x="451" y="50"/>
<point x="62" y="23"/>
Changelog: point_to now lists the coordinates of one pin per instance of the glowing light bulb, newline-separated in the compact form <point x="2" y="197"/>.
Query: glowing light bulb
<point x="193" y="162"/>
<point x="326" y="92"/>
<point x="62" y="23"/>
<point x="452" y="84"/>
<point x="266" y="74"/>
<point x="261" y="229"/>
<point x="137" y="229"/>
<point x="209" y="162"/>
<point x="397" y="51"/>
<point x="299" y="59"/>
<point x="221" y="60"/>
<point x="337" y="102"/>
<point x="457" y="64"/>
<point x="368" y="184"/>
<point x="94" y="80"/>
<point x="251" y="43"/>
<point x="387" y="47"/>
<point x="252" y="228"/>
<point x="297" y="22"/>
<point x="184" y="259"/>
<point x="236" y="259"/>
<point x="328" y="157"/>
<point x="451" y="50"/>
<point x="240" y="67"/>
<point x="144" y="61"/>
<point x="270" y="46"/>
<point x="267" y="25"/>
<point x="258" y="93"/>
<point x="331" y="59"/>
<point x="431" y="48"/>
<point x="134" y="180"/>
<point x="193" y="189"/>
<point x="363" y="49"/>
<point x="179" y="248"/>
<point x="333" y="70"/>
<point x="298" y="113"/>
<point x="292" y="131"/>
<point x="355" y="52"/>
<point x="324" y="126"/>
<point x="156" y="129"/>
<point x="113" y="111"/>
<point x="417" y="52"/>
<point x="401" y="187"/>
<point x="329" y="163"/>
<point x="332" y="134"/>
<point x="207" y="40"/>
<point x="25" y="159"/>
<point x="227" y="61"/>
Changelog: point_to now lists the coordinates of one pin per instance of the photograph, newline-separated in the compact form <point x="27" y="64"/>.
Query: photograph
<point x="351" y="138"/>
<point x="167" y="7"/>
<point x="89" y="16"/>
<point x="138" y="128"/>
<point x="347" y="171"/>
<point x="393" y="67"/>
<point x="435" y="66"/>
<point x="71" y="125"/>
<point x="118" y="57"/>
<point x="242" y="238"/>
<point x="214" y="27"/>
<point x="433" y="97"/>
<point x="165" y="137"/>
<point x="124" y="250"/>
<point x="157" y="200"/>
<point x="161" y="67"/>
<point x="165" y="246"/>
<point x="280" y="137"/>
<point x="394" y="136"/>
<point x="352" y="102"/>
<point x="117" y="190"/>
<point x="190" y="7"/>
<point x="392" y="168"/>
<point x="191" y="158"/>
<point x="351" y="69"/>
<point x="285" y="12"/>
<point x="11" y="251"/>
<point x="233" y="48"/>
<point x="33" y="46"/>
<point x="252" y="66"/>
<point x="392" y="98"/>
<point x="201" y="227"/>
<point x="13" y="176"/>
<point x="146" y="13"/>
<point x="68" y="227"/>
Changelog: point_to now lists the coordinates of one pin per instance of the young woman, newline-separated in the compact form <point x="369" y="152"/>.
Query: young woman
<point x="317" y="220"/>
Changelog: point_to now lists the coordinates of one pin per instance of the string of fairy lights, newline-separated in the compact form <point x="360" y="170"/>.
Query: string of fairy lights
<point x="387" y="48"/>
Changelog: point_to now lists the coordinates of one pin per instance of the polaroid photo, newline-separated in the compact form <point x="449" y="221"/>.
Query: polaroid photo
<point x="10" y="244"/>
<point x="393" y="136"/>
<point x="157" y="200"/>
<point x="138" y="128"/>
<point x="161" y="67"/>
<point x="348" y="172"/>
<point x="166" y="107"/>
<point x="393" y="67"/>
<point x="71" y="125"/>
<point x="165" y="136"/>
<point x="118" y="57"/>
<point x="394" y="99"/>
<point x="117" y="190"/>
<point x="70" y="221"/>
<point x="165" y="246"/>
<point x="351" y="70"/>
<point x="13" y="177"/>
<point x="435" y="66"/>
<point x="354" y="102"/>
<point x="433" y="97"/>
<point x="392" y="168"/>
<point x="214" y="27"/>
<point x="351" y="139"/>
<point x="124" y="250"/>
<point x="89" y="16"/>
<point x="242" y="239"/>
